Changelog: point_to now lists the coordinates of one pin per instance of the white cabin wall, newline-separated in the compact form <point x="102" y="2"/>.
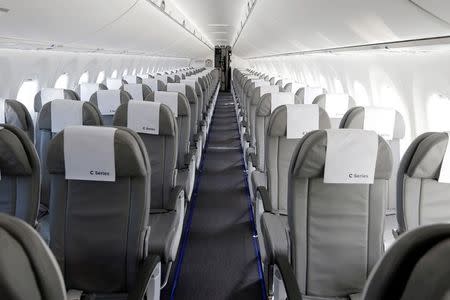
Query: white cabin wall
<point x="46" y="66"/>
<point x="415" y="83"/>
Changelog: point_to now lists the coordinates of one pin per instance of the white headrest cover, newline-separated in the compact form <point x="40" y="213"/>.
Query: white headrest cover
<point x="279" y="99"/>
<point x="177" y="87"/>
<point x="163" y="78"/>
<point x="301" y="119"/>
<point x="381" y="120"/>
<point x="50" y="94"/>
<point x="108" y="101"/>
<point x="261" y="83"/>
<point x="266" y="89"/>
<point x="151" y="82"/>
<point x="351" y="156"/>
<point x="113" y="83"/>
<point x="2" y="111"/>
<point x="130" y="78"/>
<point x="135" y="90"/>
<point x="87" y="90"/>
<point x="189" y="82"/>
<point x="89" y="153"/>
<point x="310" y="93"/>
<point x="336" y="105"/>
<point x="143" y="116"/>
<point x="168" y="98"/>
<point x="65" y="113"/>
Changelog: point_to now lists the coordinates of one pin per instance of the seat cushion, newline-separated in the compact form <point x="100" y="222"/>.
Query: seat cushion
<point x="164" y="234"/>
<point x="276" y="235"/>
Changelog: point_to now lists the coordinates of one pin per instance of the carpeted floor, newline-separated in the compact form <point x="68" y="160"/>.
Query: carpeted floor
<point x="219" y="260"/>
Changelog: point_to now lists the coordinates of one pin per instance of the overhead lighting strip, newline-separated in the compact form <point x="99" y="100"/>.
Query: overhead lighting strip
<point x="249" y="7"/>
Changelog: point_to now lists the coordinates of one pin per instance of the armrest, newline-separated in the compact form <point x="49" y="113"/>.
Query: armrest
<point x="202" y="123"/>
<point x="176" y="193"/>
<point x="244" y="123"/>
<point x="188" y="158"/>
<point x="143" y="277"/>
<point x="247" y="137"/>
<point x="253" y="158"/>
<point x="289" y="280"/>
<point x="265" y="197"/>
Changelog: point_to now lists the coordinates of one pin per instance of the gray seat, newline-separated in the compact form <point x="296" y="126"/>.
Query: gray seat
<point x="131" y="79"/>
<point x="167" y="206"/>
<point x="16" y="114"/>
<point x="114" y="83"/>
<point x="20" y="175"/>
<point x="335" y="229"/>
<point x="154" y="84"/>
<point x="421" y="198"/>
<point x="137" y="91"/>
<point x="100" y="229"/>
<point x="271" y="195"/>
<point x="186" y="161"/>
<point x="201" y="118"/>
<point x="28" y="269"/>
<point x="309" y="93"/>
<point x="44" y="134"/>
<point x="342" y="108"/>
<point x="114" y="97"/>
<point x="354" y="118"/>
<point x="415" y="267"/>
<point x="49" y="94"/>
<point x="86" y="90"/>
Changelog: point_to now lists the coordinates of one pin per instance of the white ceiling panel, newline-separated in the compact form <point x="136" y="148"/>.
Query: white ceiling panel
<point x="277" y="27"/>
<point x="217" y="19"/>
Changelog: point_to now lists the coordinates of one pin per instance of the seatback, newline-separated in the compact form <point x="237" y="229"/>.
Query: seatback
<point x="13" y="112"/>
<point x="69" y="112"/>
<point x="28" y="269"/>
<point x="182" y="117"/>
<point x="20" y="175"/>
<point x="86" y="90"/>
<point x="114" y="83"/>
<point x="262" y="116"/>
<point x="422" y="187"/>
<point x="132" y="79"/>
<point x="392" y="129"/>
<point x="137" y="91"/>
<point x="198" y="90"/>
<point x="161" y="145"/>
<point x="191" y="95"/>
<point x="107" y="102"/>
<point x="154" y="84"/>
<point x="99" y="229"/>
<point x="336" y="106"/>
<point x="307" y="94"/>
<point x="415" y="267"/>
<point x="278" y="152"/>
<point x="258" y="92"/>
<point x="336" y="228"/>
<point x="49" y="94"/>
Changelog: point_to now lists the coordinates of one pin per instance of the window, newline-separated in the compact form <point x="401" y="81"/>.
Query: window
<point x="141" y="72"/>
<point x="114" y="74"/>
<point x="360" y="94"/>
<point x="27" y="91"/>
<point x="84" y="78"/>
<point x="100" y="77"/>
<point x="62" y="82"/>
<point x="438" y="110"/>
<point x="125" y="72"/>
<point x="134" y="72"/>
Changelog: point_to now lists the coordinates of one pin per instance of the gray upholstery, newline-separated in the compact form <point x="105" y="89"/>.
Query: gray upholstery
<point x="68" y="94"/>
<point x="146" y="90"/>
<point x="99" y="230"/>
<point x="28" y="269"/>
<point x="415" y="267"/>
<point x="336" y="230"/>
<point x="421" y="199"/>
<point x="354" y="118"/>
<point x="20" y="175"/>
<point x="17" y="114"/>
<point x="107" y="119"/>
<point x="165" y="216"/>
<point x="101" y="86"/>
<point x="91" y="116"/>
<point x="321" y="101"/>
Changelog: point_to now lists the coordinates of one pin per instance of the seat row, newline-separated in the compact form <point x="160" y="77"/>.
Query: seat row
<point x="329" y="230"/>
<point x="108" y="181"/>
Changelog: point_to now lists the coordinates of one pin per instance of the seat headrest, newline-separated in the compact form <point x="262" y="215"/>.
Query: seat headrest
<point x="183" y="104"/>
<point x="114" y="83"/>
<point x="86" y="90"/>
<point x="115" y="98"/>
<point x="154" y="84"/>
<point x="167" y="122"/>
<point x="50" y="94"/>
<point x="129" y="153"/>
<point x="426" y="161"/>
<point x="90" y="116"/>
<point x="15" y="158"/>
<point x="354" y="118"/>
<point x="278" y="121"/>
<point x="308" y="160"/>
<point x="264" y="108"/>
<point x="27" y="263"/>
<point x="335" y="104"/>
<point x="129" y="79"/>
<point x="137" y="91"/>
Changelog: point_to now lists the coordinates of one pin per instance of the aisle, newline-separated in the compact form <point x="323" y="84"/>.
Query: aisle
<point x="219" y="260"/>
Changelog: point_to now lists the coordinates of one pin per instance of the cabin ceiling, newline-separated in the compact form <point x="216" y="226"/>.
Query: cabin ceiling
<point x="277" y="27"/>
